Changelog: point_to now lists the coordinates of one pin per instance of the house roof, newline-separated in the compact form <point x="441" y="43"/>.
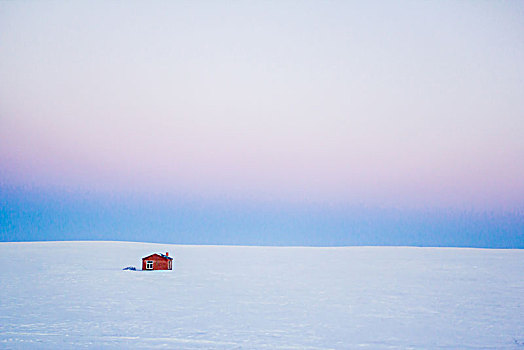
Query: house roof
<point x="159" y="254"/>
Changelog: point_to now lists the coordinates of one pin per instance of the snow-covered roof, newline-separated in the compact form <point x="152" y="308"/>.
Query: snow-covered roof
<point x="159" y="254"/>
<point x="165" y="256"/>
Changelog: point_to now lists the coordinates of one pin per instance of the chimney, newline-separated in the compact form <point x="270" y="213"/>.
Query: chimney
<point x="167" y="253"/>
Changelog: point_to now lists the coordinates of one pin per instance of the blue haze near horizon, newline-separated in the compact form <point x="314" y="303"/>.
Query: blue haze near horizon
<point x="30" y="215"/>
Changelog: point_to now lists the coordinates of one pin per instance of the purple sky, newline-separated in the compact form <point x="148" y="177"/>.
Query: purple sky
<point x="408" y="104"/>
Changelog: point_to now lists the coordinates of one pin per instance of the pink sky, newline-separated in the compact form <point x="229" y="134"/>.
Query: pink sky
<point x="414" y="105"/>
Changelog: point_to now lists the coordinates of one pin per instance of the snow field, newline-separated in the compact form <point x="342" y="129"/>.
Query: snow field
<point x="75" y="295"/>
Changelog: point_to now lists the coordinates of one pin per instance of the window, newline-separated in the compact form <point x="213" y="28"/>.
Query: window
<point x="149" y="265"/>
<point x="169" y="265"/>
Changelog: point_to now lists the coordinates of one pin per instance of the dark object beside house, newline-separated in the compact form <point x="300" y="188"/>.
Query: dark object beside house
<point x="157" y="261"/>
<point x="132" y="268"/>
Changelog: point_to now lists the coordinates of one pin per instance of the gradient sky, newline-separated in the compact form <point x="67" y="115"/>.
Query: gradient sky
<point x="349" y="122"/>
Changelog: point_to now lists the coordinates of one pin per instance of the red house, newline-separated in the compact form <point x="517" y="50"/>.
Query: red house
<point x="157" y="262"/>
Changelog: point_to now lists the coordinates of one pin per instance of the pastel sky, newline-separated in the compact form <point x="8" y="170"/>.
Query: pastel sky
<point x="386" y="105"/>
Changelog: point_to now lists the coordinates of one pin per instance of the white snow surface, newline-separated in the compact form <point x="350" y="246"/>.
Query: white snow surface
<point x="69" y="295"/>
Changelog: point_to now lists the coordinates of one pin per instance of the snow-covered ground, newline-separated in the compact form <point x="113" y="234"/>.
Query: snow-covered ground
<point x="61" y="295"/>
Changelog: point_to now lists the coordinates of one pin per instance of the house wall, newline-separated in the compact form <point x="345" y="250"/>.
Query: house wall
<point x="159" y="263"/>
